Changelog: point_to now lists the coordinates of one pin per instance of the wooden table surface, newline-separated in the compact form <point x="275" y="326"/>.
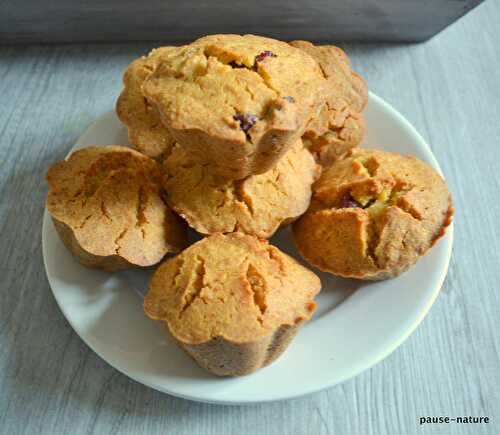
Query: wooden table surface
<point x="51" y="382"/>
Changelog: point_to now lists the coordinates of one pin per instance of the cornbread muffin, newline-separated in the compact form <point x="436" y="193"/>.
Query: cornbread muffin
<point x="145" y="130"/>
<point x="236" y="102"/>
<point x="232" y="302"/>
<point x="107" y="207"/>
<point x="340" y="124"/>
<point x="256" y="205"/>
<point x="373" y="214"/>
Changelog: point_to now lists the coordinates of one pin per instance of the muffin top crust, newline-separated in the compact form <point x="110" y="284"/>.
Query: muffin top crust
<point x="233" y="286"/>
<point x="373" y="214"/>
<point x="256" y="205"/>
<point x="111" y="198"/>
<point x="145" y="129"/>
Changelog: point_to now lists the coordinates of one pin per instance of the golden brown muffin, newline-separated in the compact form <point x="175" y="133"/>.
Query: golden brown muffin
<point x="256" y="205"/>
<point x="340" y="125"/>
<point x="373" y="215"/>
<point x="107" y="207"/>
<point x="232" y="302"/>
<point x="236" y="102"/>
<point x="145" y="130"/>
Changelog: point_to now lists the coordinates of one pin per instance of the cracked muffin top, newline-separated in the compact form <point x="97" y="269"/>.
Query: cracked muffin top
<point x="256" y="205"/>
<point x="340" y="125"/>
<point x="236" y="102"/>
<point x="373" y="214"/>
<point x="110" y="198"/>
<point x="232" y="286"/>
<point x="145" y="129"/>
<point x="343" y="83"/>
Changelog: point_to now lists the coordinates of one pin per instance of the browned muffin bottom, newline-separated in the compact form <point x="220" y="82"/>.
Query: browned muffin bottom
<point x="373" y="215"/>
<point x="232" y="302"/>
<point x="106" y="203"/>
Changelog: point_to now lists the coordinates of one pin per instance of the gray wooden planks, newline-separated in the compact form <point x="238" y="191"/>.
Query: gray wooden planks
<point x="24" y="21"/>
<point x="51" y="383"/>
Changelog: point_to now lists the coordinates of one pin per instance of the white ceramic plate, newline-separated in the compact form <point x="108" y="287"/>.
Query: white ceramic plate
<point x="357" y="324"/>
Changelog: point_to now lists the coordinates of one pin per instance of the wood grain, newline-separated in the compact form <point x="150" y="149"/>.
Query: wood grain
<point x="24" y="21"/>
<point x="52" y="383"/>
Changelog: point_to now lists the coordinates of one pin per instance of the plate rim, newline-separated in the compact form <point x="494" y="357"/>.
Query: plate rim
<point x="328" y="384"/>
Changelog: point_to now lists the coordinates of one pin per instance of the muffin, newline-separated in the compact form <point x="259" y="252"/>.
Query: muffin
<point x="232" y="302"/>
<point x="107" y="206"/>
<point x="145" y="130"/>
<point x="237" y="103"/>
<point x="340" y="125"/>
<point x="256" y="205"/>
<point x="373" y="215"/>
